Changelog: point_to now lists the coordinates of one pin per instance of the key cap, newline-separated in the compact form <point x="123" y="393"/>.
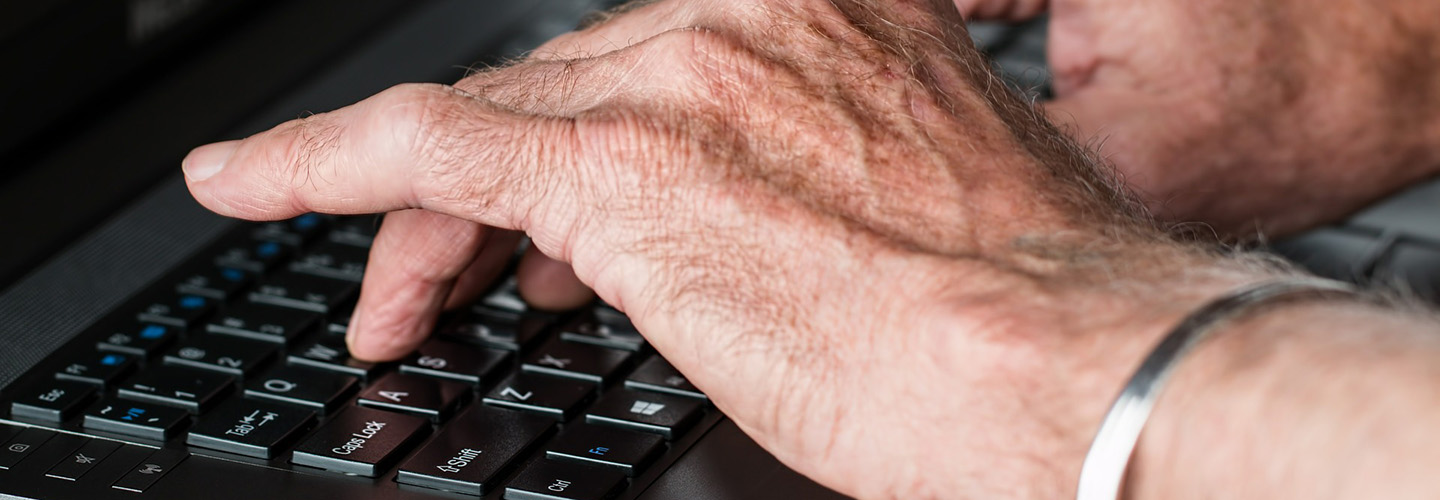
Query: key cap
<point x="578" y="361"/>
<point x="657" y="375"/>
<point x="551" y="480"/>
<point x="621" y="450"/>
<point x="339" y="323"/>
<point x="75" y="465"/>
<point x="294" y="232"/>
<point x="555" y="397"/>
<point x="304" y="292"/>
<point x="316" y="390"/>
<point x="219" y="283"/>
<point x="176" y="309"/>
<point x="186" y="389"/>
<point x="355" y="231"/>
<point x="261" y="322"/>
<point x="142" y="420"/>
<point x="150" y="470"/>
<point x="474" y="451"/>
<point x="330" y="353"/>
<point x="140" y="339"/>
<point x="333" y="260"/>
<point x="661" y="414"/>
<point x="604" y="327"/>
<point x="249" y="428"/>
<point x="360" y="441"/>
<point x="221" y="354"/>
<point x="52" y="401"/>
<point x="455" y="361"/>
<point x="256" y="256"/>
<point x="62" y="445"/>
<point x="100" y="369"/>
<point x="420" y="396"/>
<point x="495" y="328"/>
<point x="22" y="445"/>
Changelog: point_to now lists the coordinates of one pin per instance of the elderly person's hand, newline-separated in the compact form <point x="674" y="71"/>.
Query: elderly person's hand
<point x="828" y="214"/>
<point x="1265" y="116"/>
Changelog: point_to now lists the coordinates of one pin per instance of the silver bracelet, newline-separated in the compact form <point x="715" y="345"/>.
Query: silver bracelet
<point x="1103" y="472"/>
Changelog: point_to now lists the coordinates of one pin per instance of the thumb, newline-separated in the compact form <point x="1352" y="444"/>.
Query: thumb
<point x="1001" y="10"/>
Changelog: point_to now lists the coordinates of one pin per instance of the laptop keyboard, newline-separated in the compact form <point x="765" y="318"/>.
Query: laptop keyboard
<point x="240" y="354"/>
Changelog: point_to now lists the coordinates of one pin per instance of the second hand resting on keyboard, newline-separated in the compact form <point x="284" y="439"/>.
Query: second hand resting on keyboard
<point x="893" y="275"/>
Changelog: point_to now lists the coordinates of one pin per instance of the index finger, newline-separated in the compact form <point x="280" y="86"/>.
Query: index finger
<point x="412" y="146"/>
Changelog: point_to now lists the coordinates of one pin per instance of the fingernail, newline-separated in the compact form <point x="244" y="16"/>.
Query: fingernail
<point x="206" y="161"/>
<point x="352" y="332"/>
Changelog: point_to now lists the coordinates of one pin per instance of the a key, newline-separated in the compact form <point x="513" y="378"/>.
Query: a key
<point x="657" y="375"/>
<point x="552" y="480"/>
<point x="150" y="470"/>
<point x="621" y="450"/>
<point x="304" y="292"/>
<point x="22" y="445"/>
<point x="496" y="328"/>
<point x="455" y="361"/>
<point x="136" y="419"/>
<point x="330" y="353"/>
<point x="221" y="354"/>
<point x="333" y="260"/>
<point x="474" y="451"/>
<point x="555" y="397"/>
<point x="578" y="361"/>
<point x="75" y="465"/>
<point x="53" y="401"/>
<point x="261" y="322"/>
<point x="661" y="414"/>
<point x="360" y="441"/>
<point x="249" y="428"/>
<point x="186" y="389"/>
<point x="256" y="256"/>
<point x="604" y="327"/>
<point x="420" y="396"/>
<point x="140" y="339"/>
<point x="219" y="283"/>
<point x="176" y="309"/>
<point x="313" y="389"/>
<point x="294" y="232"/>
<point x="99" y="368"/>
<point x="355" y="231"/>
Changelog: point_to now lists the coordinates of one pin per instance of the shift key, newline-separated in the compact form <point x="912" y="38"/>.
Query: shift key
<point x="475" y="450"/>
<point x="361" y="441"/>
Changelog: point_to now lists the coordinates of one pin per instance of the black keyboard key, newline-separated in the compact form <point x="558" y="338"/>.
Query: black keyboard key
<point x="661" y="414"/>
<point x="52" y="401"/>
<point x="420" y="396"/>
<point x="339" y="323"/>
<point x="621" y="450"/>
<point x="360" y="441"/>
<point x="262" y="322"/>
<point x="140" y="339"/>
<point x="455" y="361"/>
<point x="186" y="389"/>
<point x="496" y="328"/>
<point x="256" y="256"/>
<point x="22" y="445"/>
<point x="219" y="283"/>
<point x="181" y="310"/>
<point x="101" y="369"/>
<point x="249" y="428"/>
<point x="330" y="353"/>
<point x="578" y="361"/>
<point x="313" y="389"/>
<point x="305" y="292"/>
<point x="558" y="398"/>
<point x="221" y="354"/>
<point x="150" y="470"/>
<point x="551" y="480"/>
<point x="355" y="231"/>
<point x="474" y="451"/>
<point x="294" y="232"/>
<point x="75" y="465"/>
<point x="135" y="419"/>
<point x="333" y="260"/>
<point x="657" y="375"/>
<point x="604" y="327"/>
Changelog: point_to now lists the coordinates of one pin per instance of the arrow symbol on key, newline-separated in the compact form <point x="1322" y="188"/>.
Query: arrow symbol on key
<point x="251" y="417"/>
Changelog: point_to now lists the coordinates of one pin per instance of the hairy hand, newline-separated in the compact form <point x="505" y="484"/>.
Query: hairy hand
<point x="1251" y="116"/>
<point x="828" y="214"/>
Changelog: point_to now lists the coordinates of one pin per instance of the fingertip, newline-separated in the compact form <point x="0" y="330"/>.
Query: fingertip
<point x="205" y="161"/>
<point x="549" y="284"/>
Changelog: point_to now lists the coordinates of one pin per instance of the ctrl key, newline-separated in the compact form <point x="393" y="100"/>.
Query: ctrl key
<point x="547" y="480"/>
<point x="360" y="441"/>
